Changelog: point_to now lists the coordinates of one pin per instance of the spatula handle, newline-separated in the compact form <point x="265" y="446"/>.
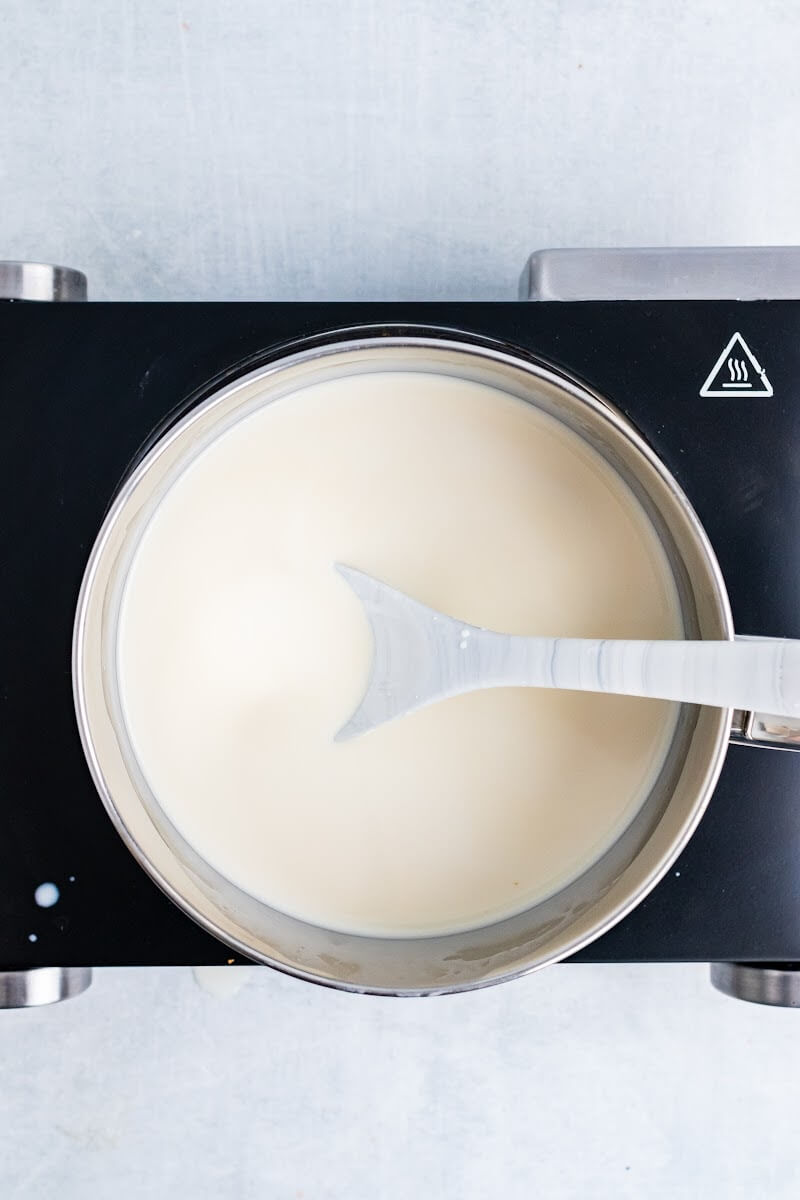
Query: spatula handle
<point x="752" y="673"/>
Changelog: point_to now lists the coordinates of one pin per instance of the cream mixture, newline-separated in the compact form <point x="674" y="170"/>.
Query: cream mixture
<point x="241" y="652"/>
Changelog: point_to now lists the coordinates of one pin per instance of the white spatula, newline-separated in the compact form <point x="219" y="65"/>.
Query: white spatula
<point x="421" y="656"/>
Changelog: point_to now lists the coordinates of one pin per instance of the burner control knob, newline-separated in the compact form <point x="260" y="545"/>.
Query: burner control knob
<point x="42" y="985"/>
<point x="40" y="281"/>
<point x="761" y="983"/>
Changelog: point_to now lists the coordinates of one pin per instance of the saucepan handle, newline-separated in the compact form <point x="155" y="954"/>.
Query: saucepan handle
<point x="764" y="729"/>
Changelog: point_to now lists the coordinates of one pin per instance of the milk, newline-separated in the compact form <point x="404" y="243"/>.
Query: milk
<point x="241" y="652"/>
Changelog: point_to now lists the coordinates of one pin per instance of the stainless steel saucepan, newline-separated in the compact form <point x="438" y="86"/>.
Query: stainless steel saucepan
<point x="545" y="933"/>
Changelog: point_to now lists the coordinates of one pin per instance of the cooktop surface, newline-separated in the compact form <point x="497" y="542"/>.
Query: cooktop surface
<point x="713" y="386"/>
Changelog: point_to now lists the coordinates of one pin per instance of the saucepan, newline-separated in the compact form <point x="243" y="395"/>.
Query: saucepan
<point x="550" y="930"/>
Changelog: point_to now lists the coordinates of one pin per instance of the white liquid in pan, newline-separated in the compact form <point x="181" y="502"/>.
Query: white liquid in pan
<point x="241" y="652"/>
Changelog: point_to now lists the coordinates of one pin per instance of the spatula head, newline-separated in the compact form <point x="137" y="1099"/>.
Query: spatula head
<point x="415" y="653"/>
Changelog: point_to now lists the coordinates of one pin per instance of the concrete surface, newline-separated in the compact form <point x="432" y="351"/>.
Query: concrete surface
<point x="609" y="1082"/>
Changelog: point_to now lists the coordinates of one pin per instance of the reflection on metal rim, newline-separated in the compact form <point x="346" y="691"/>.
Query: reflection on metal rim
<point x="41" y="281"/>
<point x="759" y="983"/>
<point x="42" y="985"/>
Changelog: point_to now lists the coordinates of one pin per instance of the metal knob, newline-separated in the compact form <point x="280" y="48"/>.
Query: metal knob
<point x="42" y="985"/>
<point x="40" y="281"/>
<point x="760" y="983"/>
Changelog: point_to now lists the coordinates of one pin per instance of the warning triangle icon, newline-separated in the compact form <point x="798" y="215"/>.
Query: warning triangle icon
<point x="737" y="372"/>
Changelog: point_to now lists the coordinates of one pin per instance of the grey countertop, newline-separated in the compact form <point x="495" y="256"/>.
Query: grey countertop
<point x="298" y="149"/>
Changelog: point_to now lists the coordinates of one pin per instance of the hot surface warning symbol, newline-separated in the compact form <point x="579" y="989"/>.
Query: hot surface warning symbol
<point x="737" y="373"/>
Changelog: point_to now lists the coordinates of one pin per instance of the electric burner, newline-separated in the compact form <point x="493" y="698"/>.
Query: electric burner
<point x="699" y="349"/>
